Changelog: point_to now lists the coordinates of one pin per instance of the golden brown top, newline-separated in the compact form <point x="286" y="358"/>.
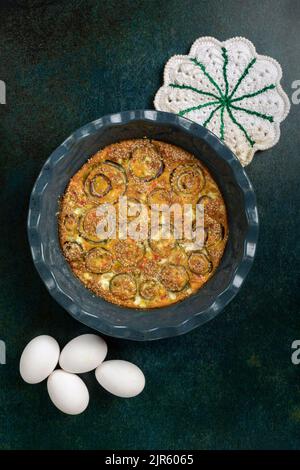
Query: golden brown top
<point x="154" y="271"/>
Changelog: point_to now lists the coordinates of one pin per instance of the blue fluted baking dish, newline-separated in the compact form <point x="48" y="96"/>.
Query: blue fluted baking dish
<point x="125" y="322"/>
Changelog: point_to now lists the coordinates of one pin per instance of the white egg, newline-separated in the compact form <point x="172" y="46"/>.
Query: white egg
<point x="68" y="392"/>
<point x="121" y="378"/>
<point x="83" y="354"/>
<point x="39" y="359"/>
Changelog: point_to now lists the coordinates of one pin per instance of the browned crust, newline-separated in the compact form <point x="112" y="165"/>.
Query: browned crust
<point x="148" y="264"/>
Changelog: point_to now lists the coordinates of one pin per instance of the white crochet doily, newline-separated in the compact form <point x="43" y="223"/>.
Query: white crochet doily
<point x="230" y="89"/>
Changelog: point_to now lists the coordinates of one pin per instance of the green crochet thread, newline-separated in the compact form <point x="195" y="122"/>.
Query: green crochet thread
<point x="244" y="74"/>
<point x="196" y="90"/>
<point x="211" y="115"/>
<point x="254" y="113"/>
<point x="255" y="93"/>
<point x="184" y="111"/>
<point x="195" y="61"/>
<point x="225" y="57"/>
<point x="222" y="124"/>
<point x="224" y="100"/>
<point x="251" y="142"/>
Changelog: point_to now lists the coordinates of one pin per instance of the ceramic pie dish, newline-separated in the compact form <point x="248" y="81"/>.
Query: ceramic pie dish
<point x="93" y="310"/>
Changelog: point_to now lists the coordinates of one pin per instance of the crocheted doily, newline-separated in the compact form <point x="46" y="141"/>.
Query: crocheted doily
<point x="230" y="89"/>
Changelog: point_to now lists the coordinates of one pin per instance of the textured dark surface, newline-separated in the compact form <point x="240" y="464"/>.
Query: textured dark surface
<point x="229" y="384"/>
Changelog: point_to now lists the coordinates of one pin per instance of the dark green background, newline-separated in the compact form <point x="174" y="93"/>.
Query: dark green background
<point x="229" y="384"/>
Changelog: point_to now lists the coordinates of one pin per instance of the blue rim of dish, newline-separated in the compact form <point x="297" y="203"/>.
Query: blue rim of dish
<point x="238" y="277"/>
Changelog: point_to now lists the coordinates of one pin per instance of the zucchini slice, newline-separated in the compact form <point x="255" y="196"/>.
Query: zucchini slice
<point x="160" y="196"/>
<point x="199" y="263"/>
<point x="174" y="278"/>
<point x="73" y="251"/>
<point x="123" y="286"/>
<point x="163" y="246"/>
<point x="106" y="182"/>
<point x="187" y="179"/>
<point x="87" y="226"/>
<point x="146" y="163"/>
<point x="98" y="261"/>
<point x="213" y="207"/>
<point x="100" y="185"/>
<point x="129" y="252"/>
<point x="151" y="289"/>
